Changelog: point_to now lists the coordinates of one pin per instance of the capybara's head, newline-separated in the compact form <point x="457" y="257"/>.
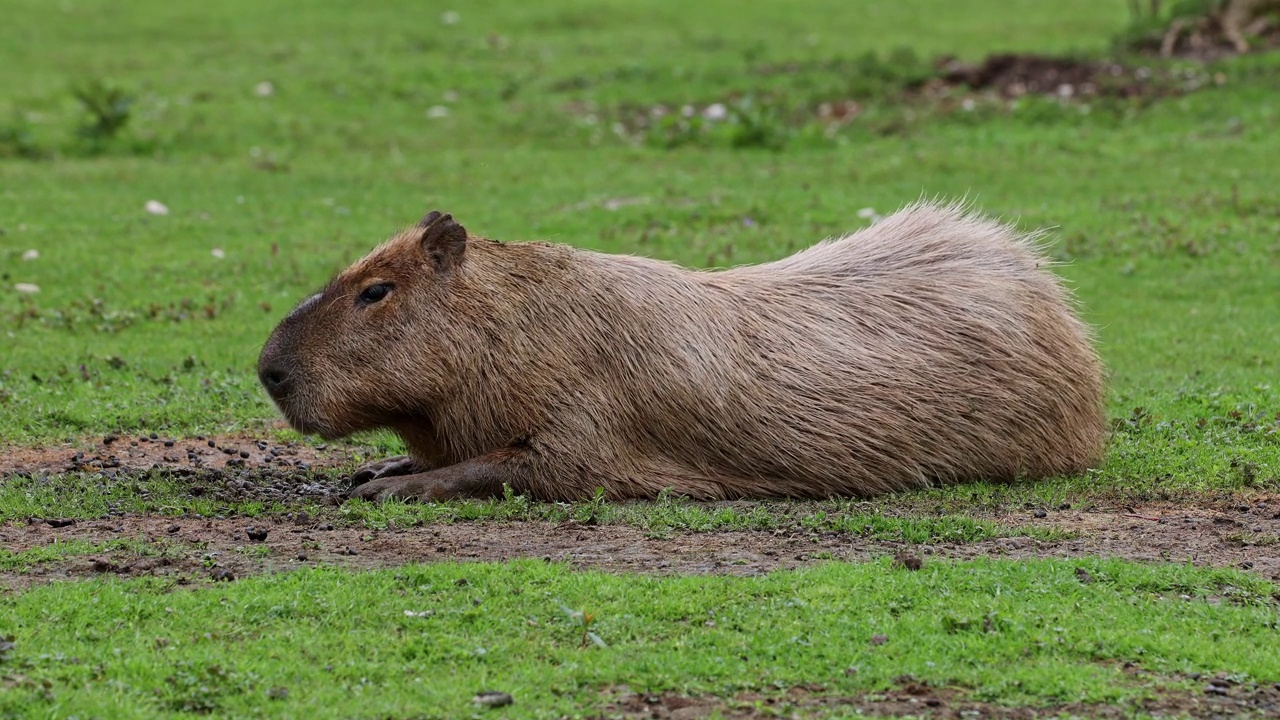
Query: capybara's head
<point x="355" y="355"/>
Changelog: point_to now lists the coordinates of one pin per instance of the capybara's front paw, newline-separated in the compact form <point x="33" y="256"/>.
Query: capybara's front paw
<point x="399" y="487"/>
<point x="399" y="465"/>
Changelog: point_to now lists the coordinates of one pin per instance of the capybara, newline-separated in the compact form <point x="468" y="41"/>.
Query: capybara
<point x="933" y="347"/>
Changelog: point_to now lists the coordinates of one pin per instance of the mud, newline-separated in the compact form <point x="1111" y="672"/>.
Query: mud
<point x="1223" y="531"/>
<point x="194" y="549"/>
<point x="1220" y="698"/>
<point x="118" y="453"/>
<point x="1015" y="75"/>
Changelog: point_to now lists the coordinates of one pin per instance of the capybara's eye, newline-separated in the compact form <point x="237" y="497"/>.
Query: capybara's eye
<point x="374" y="293"/>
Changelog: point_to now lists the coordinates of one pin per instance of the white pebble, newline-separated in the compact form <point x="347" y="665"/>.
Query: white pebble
<point x="450" y="17"/>
<point x="156" y="207"/>
<point x="716" y="112"/>
<point x="451" y="96"/>
<point x="866" y="213"/>
<point x="438" y="111"/>
<point x="27" y="288"/>
<point x="264" y="89"/>
<point x="31" y="255"/>
<point x="218" y="253"/>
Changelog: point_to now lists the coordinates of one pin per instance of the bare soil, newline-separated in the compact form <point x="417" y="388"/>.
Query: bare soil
<point x="1220" y="698"/>
<point x="1222" y="532"/>
<point x="1012" y="75"/>
<point x="200" y="549"/>
<point x="124" y="453"/>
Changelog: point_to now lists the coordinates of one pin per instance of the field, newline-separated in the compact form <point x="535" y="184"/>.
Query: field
<point x="174" y="177"/>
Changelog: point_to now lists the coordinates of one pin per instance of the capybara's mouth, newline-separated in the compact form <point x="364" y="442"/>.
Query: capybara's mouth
<point x="305" y="424"/>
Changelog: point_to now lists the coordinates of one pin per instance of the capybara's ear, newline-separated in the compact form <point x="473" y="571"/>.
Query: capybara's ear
<point x="443" y="239"/>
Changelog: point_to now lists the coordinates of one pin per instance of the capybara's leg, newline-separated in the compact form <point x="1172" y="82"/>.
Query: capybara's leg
<point x="481" y="477"/>
<point x="390" y="467"/>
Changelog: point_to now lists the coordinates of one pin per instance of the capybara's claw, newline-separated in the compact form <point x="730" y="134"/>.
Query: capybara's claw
<point x="407" y="487"/>
<point x="379" y="490"/>
<point x="390" y="467"/>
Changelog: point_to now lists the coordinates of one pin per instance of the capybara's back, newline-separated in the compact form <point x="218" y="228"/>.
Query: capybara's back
<point x="933" y="347"/>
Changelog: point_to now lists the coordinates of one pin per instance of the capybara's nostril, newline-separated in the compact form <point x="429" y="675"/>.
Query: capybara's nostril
<point x="274" y="380"/>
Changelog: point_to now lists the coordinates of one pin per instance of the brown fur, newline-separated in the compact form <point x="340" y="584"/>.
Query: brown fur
<point x="933" y="347"/>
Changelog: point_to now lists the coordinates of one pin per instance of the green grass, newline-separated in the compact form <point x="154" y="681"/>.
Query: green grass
<point x="1166" y="223"/>
<point x="328" y="643"/>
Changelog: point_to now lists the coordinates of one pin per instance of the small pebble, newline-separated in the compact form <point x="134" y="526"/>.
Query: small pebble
<point x="244" y="454"/>
<point x="493" y="699"/>
<point x="213" y="444"/>
<point x="60" y="522"/>
<point x="1041" y="514"/>
<point x="222" y="574"/>
<point x="258" y="534"/>
<point x="172" y="529"/>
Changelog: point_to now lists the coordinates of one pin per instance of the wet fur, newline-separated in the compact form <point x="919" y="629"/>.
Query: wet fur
<point x="933" y="347"/>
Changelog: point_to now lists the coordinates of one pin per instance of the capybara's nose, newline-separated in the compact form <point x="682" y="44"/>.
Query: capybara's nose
<point x="275" y="379"/>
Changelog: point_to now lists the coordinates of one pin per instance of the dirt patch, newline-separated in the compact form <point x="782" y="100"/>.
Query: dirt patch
<point x="763" y="118"/>
<point x="1221" y="698"/>
<point x="1016" y="75"/>
<point x="199" y="549"/>
<point x="112" y="454"/>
